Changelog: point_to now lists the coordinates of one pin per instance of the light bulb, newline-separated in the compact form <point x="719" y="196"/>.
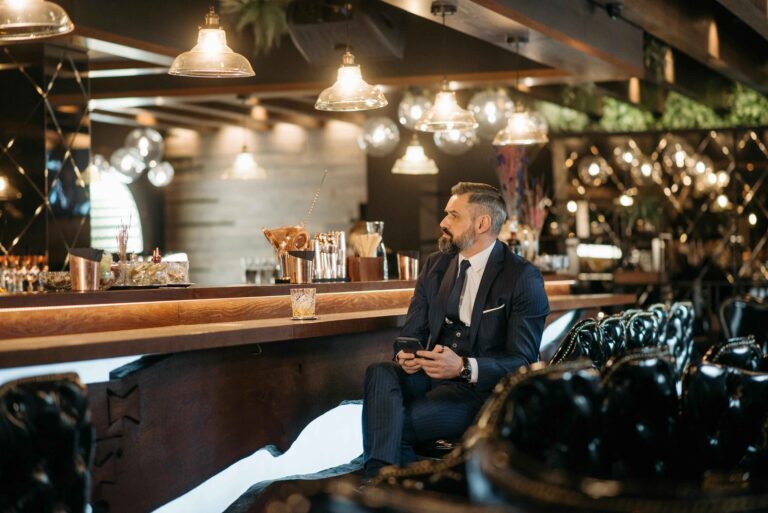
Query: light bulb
<point x="752" y="218"/>
<point x="626" y="201"/>
<point x="572" y="207"/>
<point x="722" y="201"/>
<point x="212" y="41"/>
<point x="593" y="169"/>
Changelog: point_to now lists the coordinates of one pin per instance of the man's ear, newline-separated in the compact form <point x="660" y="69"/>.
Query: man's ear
<point x="483" y="223"/>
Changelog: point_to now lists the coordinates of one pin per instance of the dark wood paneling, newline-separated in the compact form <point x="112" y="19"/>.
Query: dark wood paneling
<point x="186" y="417"/>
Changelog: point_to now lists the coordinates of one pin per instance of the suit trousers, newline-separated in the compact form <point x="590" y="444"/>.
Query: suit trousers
<point x="403" y="410"/>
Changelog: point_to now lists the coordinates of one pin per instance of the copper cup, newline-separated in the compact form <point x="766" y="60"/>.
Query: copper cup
<point x="408" y="265"/>
<point x="84" y="273"/>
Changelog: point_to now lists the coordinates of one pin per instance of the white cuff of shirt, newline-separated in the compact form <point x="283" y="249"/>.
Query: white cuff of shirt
<point x="475" y="370"/>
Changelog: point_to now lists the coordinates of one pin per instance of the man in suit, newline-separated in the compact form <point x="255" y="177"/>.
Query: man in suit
<point x="478" y="310"/>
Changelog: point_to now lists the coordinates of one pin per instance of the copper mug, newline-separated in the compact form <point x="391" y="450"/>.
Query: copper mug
<point x="84" y="273"/>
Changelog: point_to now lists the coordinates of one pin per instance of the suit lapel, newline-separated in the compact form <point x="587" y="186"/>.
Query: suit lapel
<point x="446" y="284"/>
<point x="492" y="268"/>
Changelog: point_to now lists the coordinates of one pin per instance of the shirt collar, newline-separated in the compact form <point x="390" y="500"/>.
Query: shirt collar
<point x="477" y="262"/>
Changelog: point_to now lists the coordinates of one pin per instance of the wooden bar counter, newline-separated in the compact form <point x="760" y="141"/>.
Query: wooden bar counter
<point x="225" y="370"/>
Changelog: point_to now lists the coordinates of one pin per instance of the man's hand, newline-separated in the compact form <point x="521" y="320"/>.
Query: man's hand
<point x="440" y="363"/>
<point x="408" y="362"/>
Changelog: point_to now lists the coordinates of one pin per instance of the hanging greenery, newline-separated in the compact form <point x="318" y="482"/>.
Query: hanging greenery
<point x="680" y="112"/>
<point x="748" y="107"/>
<point x="562" y="119"/>
<point x="620" y="116"/>
<point x="266" y="18"/>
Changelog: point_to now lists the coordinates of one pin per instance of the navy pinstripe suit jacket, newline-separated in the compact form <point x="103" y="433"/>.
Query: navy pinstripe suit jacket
<point x="507" y="318"/>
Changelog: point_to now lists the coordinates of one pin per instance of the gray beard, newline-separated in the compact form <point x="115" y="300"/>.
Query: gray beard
<point x="446" y="246"/>
<point x="450" y="246"/>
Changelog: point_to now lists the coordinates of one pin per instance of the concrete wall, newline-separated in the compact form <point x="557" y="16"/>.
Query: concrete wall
<point x="216" y="221"/>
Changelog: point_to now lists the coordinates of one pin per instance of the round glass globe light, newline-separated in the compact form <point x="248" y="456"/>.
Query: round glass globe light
<point x="148" y="142"/>
<point x="455" y="142"/>
<point x="380" y="136"/>
<point x="491" y="108"/>
<point x="412" y="108"/>
<point x="128" y="163"/>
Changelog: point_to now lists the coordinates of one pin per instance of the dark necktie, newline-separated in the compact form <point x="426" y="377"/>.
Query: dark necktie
<point x="452" y="307"/>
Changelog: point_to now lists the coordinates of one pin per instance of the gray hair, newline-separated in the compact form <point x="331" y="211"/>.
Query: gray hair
<point x="486" y="197"/>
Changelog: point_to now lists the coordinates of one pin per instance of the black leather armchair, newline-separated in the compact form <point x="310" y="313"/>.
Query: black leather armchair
<point x="46" y="445"/>
<point x="745" y="315"/>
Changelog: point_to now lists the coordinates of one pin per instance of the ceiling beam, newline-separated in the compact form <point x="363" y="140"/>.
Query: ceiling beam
<point x="123" y="119"/>
<point x="748" y="12"/>
<point x="280" y="113"/>
<point x="187" y="120"/>
<point x="126" y="47"/>
<point x="710" y="36"/>
<point x="563" y="34"/>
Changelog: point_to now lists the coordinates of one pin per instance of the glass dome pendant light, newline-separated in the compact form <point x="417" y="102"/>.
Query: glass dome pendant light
<point x="25" y="20"/>
<point x="211" y="57"/>
<point x="523" y="127"/>
<point x="245" y="166"/>
<point x="414" y="161"/>
<point x="445" y="113"/>
<point x="350" y="93"/>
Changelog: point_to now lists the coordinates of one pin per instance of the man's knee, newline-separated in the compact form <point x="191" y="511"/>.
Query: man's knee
<point x="380" y="370"/>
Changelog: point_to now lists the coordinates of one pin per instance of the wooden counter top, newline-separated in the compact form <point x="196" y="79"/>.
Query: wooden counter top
<point x="554" y="284"/>
<point x="180" y="337"/>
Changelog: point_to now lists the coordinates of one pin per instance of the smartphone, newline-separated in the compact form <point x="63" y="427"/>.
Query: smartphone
<point x="408" y="345"/>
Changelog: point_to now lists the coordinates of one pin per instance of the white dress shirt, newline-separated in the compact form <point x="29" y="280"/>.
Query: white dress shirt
<point x="477" y="264"/>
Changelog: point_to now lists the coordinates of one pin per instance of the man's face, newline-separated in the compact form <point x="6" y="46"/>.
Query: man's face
<point x="458" y="225"/>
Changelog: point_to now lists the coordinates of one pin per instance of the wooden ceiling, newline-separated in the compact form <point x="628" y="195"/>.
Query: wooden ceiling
<point x="710" y="45"/>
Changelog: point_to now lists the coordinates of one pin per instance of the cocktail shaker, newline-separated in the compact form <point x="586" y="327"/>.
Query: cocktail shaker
<point x="330" y="252"/>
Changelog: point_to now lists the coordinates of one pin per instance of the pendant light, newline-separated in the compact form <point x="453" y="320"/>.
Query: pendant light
<point x="350" y="92"/>
<point x="523" y="127"/>
<point x="24" y="20"/>
<point x="245" y="166"/>
<point x="445" y="113"/>
<point x="211" y="57"/>
<point x="414" y="161"/>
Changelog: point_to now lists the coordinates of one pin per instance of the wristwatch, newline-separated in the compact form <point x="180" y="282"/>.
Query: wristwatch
<point x="466" y="370"/>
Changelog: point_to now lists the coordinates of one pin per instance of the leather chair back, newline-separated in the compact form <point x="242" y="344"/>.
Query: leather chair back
<point x="614" y="332"/>
<point x="584" y="340"/>
<point x="679" y="333"/>
<point x="726" y="414"/>
<point x="46" y="445"/>
<point x="662" y="313"/>
<point x="745" y="315"/>
<point x="642" y="330"/>
<point x="740" y="352"/>
<point x="640" y="405"/>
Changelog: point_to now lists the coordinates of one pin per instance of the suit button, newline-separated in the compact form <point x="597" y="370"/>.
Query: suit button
<point x="458" y="334"/>
<point x="454" y="345"/>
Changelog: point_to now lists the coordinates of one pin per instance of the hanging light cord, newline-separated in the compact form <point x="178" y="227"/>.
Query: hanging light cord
<point x="445" y="60"/>
<point x="347" y="12"/>
<point x="519" y="63"/>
